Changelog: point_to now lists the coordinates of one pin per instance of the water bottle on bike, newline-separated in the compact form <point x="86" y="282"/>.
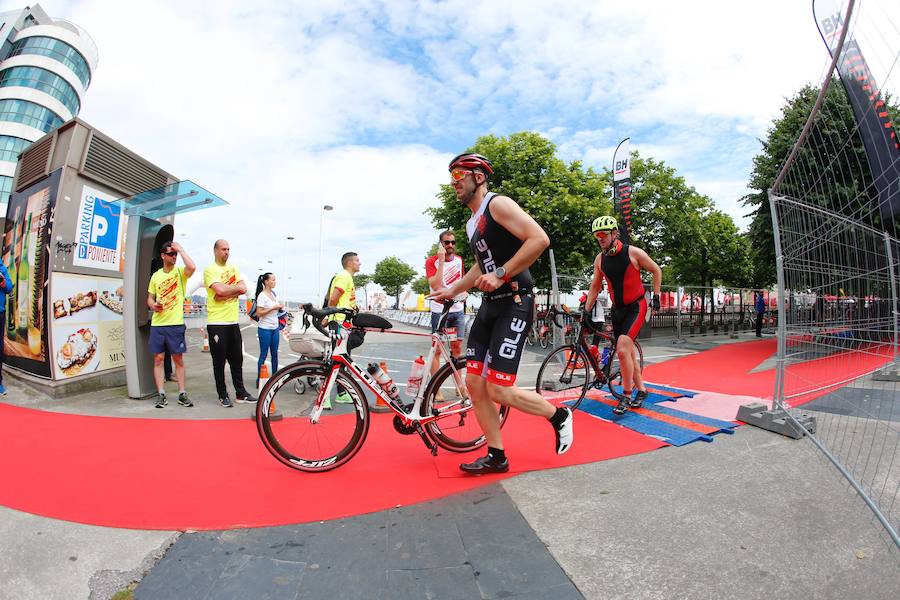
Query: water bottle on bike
<point x="605" y="357"/>
<point x="384" y="380"/>
<point x="415" y="377"/>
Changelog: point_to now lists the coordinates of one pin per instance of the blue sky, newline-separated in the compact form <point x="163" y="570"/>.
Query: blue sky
<point x="281" y="107"/>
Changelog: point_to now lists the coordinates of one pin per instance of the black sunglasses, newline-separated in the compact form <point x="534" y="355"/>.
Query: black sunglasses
<point x="448" y="242"/>
<point x="172" y="253"/>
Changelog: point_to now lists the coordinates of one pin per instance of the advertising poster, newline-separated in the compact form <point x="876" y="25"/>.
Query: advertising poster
<point x="26" y="256"/>
<point x="99" y="232"/>
<point x="88" y="331"/>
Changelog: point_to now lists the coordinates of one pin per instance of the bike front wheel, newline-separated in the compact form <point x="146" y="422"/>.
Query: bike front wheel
<point x="564" y="377"/>
<point x="308" y="431"/>
<point x="456" y="429"/>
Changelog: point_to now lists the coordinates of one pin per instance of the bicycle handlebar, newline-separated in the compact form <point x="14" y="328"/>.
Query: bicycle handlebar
<point x="313" y="316"/>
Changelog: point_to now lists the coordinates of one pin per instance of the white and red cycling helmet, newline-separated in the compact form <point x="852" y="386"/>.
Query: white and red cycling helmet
<point x="469" y="160"/>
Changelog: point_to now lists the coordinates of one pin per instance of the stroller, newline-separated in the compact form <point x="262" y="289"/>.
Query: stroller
<point x="309" y="344"/>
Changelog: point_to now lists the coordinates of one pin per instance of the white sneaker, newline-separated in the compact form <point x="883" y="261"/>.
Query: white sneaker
<point x="564" y="434"/>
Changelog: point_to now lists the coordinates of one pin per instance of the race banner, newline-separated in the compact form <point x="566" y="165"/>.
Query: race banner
<point x="875" y="127"/>
<point x="622" y="188"/>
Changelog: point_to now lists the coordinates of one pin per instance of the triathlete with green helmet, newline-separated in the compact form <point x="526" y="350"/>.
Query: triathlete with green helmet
<point x="621" y="265"/>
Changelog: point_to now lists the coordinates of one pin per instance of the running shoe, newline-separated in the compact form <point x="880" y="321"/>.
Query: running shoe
<point x="343" y="398"/>
<point x="244" y="398"/>
<point x="565" y="433"/>
<point x="225" y="401"/>
<point x="184" y="400"/>
<point x="326" y="404"/>
<point x="161" y="400"/>
<point x="639" y="399"/>
<point x="485" y="464"/>
<point x="622" y="407"/>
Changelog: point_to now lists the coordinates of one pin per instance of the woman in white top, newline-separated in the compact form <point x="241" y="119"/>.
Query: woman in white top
<point x="267" y="309"/>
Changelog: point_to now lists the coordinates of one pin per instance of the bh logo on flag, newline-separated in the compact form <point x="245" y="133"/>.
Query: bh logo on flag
<point x="98" y="232"/>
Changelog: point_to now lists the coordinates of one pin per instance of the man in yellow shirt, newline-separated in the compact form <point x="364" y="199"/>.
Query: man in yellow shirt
<point x="224" y="284"/>
<point x="165" y="297"/>
<point x="342" y="294"/>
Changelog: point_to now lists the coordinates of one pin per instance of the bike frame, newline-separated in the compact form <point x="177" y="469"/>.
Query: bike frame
<point x="341" y="359"/>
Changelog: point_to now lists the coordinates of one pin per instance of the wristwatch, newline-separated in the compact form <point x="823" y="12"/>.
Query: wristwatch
<point x="500" y="273"/>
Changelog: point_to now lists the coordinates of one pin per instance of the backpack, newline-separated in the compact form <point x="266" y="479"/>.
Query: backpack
<point x="328" y="293"/>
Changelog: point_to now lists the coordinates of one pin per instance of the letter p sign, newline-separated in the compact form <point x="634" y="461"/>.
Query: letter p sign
<point x="98" y="228"/>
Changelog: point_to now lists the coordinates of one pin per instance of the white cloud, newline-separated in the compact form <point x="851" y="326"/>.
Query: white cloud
<point x="280" y="107"/>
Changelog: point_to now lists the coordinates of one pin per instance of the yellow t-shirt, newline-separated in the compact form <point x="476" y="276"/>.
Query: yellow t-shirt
<point x="220" y="312"/>
<point x="344" y="281"/>
<point x="169" y="291"/>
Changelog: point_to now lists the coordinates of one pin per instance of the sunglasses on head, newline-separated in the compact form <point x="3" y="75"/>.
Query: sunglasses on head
<point x="448" y="242"/>
<point x="459" y="174"/>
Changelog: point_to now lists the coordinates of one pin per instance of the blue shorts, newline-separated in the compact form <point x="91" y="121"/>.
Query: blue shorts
<point x="454" y="319"/>
<point x="167" y="338"/>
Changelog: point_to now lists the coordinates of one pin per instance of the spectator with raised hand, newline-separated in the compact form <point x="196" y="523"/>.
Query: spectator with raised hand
<point x="443" y="269"/>
<point x="165" y="297"/>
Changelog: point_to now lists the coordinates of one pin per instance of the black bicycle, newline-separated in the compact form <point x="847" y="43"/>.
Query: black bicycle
<point x="569" y="371"/>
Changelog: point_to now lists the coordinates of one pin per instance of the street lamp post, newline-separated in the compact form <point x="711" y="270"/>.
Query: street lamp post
<point x="284" y="265"/>
<point x="321" y="225"/>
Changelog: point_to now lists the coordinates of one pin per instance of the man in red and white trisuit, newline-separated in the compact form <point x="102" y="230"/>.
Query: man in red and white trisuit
<point x="621" y="265"/>
<point x="443" y="270"/>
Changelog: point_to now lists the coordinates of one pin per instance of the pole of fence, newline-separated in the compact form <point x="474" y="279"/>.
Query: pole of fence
<point x="679" y="295"/>
<point x="778" y="395"/>
<point x="890" y="256"/>
<point x="554" y="286"/>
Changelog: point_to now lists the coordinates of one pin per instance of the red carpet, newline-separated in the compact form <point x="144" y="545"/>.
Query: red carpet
<point x="177" y="475"/>
<point x="726" y="369"/>
<point x="530" y="445"/>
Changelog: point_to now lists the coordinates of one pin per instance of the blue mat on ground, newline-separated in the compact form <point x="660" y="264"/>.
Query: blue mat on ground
<point x="653" y="398"/>
<point x="644" y="422"/>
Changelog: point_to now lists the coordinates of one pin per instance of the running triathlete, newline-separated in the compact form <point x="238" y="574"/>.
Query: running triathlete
<point x="505" y="242"/>
<point x="621" y="265"/>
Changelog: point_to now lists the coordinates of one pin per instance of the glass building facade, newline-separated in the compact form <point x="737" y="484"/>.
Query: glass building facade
<point x="46" y="66"/>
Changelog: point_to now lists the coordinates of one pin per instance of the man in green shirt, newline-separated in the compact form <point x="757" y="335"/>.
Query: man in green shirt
<point x="224" y="285"/>
<point x="165" y="297"/>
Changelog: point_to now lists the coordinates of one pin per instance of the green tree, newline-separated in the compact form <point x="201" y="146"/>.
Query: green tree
<point x="833" y="153"/>
<point x="360" y="281"/>
<point x="669" y="216"/>
<point x="562" y="198"/>
<point x="420" y="285"/>
<point x="392" y="274"/>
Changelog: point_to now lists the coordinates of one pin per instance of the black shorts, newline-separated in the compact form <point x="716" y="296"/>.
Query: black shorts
<point x="497" y="338"/>
<point x="629" y="319"/>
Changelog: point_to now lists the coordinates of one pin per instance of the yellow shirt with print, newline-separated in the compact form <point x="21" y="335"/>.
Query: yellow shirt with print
<point x="168" y="288"/>
<point x="220" y="312"/>
<point x="344" y="281"/>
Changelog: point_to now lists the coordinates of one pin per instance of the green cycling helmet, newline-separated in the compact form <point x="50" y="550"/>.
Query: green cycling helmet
<point x="604" y="223"/>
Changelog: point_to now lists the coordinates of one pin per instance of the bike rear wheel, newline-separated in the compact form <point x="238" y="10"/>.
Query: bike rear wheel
<point x="458" y="429"/>
<point x="614" y="370"/>
<point x="302" y="439"/>
<point x="564" y="377"/>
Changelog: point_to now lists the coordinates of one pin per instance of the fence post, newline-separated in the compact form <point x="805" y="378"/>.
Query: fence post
<point x="679" y="295"/>
<point x="554" y="286"/>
